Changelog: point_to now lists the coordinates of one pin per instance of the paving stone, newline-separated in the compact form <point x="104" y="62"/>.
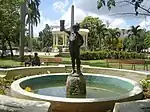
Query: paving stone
<point x="134" y="106"/>
<point x="9" y="104"/>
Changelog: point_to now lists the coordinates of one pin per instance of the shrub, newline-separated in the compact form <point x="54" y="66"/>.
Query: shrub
<point x="95" y="55"/>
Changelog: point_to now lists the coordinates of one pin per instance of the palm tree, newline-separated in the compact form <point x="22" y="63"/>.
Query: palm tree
<point x="100" y="30"/>
<point x="33" y="5"/>
<point x="22" y="33"/>
<point x="45" y="36"/>
<point x="112" y="38"/>
<point x="33" y="17"/>
<point x="134" y="33"/>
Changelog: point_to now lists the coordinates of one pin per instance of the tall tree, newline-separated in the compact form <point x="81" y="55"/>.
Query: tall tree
<point x="134" y="33"/>
<point x="33" y="17"/>
<point x="135" y="41"/>
<point x="140" y="41"/>
<point x="92" y="23"/>
<point x="46" y="37"/>
<point x="112" y="38"/>
<point x="9" y="23"/>
<point x="101" y="30"/>
<point x="23" y="12"/>
<point x="147" y="39"/>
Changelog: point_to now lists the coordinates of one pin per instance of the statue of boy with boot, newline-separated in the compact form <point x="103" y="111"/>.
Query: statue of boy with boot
<point x="75" y="42"/>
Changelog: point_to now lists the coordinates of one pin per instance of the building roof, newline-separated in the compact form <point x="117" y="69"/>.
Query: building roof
<point x="56" y="30"/>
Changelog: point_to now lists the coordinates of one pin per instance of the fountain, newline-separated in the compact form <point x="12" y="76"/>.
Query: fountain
<point x="103" y="92"/>
<point x="83" y="92"/>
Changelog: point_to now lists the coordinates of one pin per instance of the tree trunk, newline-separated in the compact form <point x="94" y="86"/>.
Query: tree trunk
<point x="136" y="44"/>
<point x="31" y="35"/>
<point x="29" y="32"/>
<point x="100" y="43"/>
<point x="29" y="16"/>
<point x="22" y="33"/>
<point x="11" y="51"/>
<point x="3" y="48"/>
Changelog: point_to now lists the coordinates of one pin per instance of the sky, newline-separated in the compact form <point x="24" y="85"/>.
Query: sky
<point x="52" y="11"/>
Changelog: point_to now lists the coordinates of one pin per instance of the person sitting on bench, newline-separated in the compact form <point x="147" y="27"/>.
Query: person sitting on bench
<point x="36" y="60"/>
<point x="28" y="61"/>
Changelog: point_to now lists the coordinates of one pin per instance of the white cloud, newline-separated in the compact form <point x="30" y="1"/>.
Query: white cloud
<point x="79" y="15"/>
<point x="41" y="25"/>
<point x="145" y="24"/>
<point x="83" y="8"/>
<point x="60" y="6"/>
<point x="119" y="22"/>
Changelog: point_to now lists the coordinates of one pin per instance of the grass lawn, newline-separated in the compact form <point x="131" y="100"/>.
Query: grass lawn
<point x="5" y="63"/>
<point x="8" y="63"/>
<point x="98" y="63"/>
<point x="102" y="63"/>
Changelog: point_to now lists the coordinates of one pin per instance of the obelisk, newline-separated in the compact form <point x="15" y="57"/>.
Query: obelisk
<point x="72" y="16"/>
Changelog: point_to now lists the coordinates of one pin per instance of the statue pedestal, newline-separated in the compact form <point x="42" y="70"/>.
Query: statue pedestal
<point x="76" y="86"/>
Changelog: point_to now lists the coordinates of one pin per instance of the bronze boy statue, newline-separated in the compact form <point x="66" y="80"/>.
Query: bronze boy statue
<point x="75" y="42"/>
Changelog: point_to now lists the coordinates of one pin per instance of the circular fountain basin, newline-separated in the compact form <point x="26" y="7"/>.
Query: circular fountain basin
<point x="102" y="92"/>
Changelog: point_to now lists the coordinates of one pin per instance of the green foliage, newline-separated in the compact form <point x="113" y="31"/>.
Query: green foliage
<point x="120" y="44"/>
<point x="134" y="31"/>
<point x="96" y="32"/>
<point x="100" y="37"/>
<point x="5" y="83"/>
<point x="110" y="3"/>
<point x="100" y="3"/>
<point x="103" y="38"/>
<point x="36" y="44"/>
<point x="145" y="83"/>
<point x="2" y="92"/>
<point x="46" y="37"/>
<point x="96" y="55"/>
<point x="147" y="40"/>
<point x="136" y="3"/>
<point x="33" y="14"/>
<point x="9" y="24"/>
<point x="135" y="40"/>
<point x="112" y="39"/>
<point x="17" y="77"/>
<point x="63" y="55"/>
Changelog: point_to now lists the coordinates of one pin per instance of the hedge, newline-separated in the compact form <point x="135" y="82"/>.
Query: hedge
<point x="95" y="55"/>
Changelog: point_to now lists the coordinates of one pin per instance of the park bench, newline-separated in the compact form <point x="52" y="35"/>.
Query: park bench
<point x="114" y="61"/>
<point x="51" y="60"/>
<point x="147" y="62"/>
<point x="133" y="62"/>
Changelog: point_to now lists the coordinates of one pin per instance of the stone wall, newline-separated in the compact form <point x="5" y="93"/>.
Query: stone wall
<point x="27" y="71"/>
<point x="130" y="74"/>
